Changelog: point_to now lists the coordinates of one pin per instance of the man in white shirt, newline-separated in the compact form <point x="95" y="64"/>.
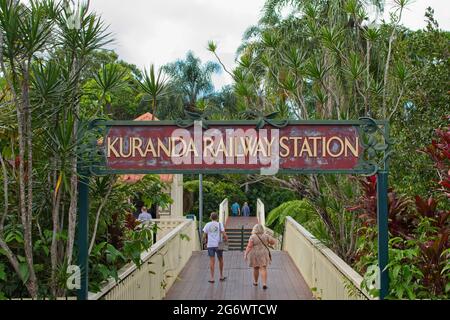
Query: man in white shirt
<point x="211" y="233"/>
<point x="144" y="216"/>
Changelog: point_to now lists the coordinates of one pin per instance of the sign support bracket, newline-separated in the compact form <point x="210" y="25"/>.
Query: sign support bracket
<point x="83" y="235"/>
<point x="383" y="232"/>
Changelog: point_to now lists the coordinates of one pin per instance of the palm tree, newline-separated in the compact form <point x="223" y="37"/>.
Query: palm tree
<point x="107" y="79"/>
<point x="155" y="85"/>
<point x="192" y="79"/>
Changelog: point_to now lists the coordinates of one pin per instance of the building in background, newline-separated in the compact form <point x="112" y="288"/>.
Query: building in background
<point x="174" y="183"/>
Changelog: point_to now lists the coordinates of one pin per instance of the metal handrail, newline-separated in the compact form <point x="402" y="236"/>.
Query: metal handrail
<point x="242" y="238"/>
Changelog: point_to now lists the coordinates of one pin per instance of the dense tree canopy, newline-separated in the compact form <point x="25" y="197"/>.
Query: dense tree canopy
<point x="304" y="59"/>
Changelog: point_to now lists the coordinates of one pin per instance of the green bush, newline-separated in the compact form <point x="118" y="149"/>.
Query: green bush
<point x="213" y="194"/>
<point x="300" y="210"/>
<point x="270" y="195"/>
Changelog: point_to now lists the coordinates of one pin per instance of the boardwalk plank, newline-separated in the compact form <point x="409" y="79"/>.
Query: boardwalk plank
<point x="284" y="281"/>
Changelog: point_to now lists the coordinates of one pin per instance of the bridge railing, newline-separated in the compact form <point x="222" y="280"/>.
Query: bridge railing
<point x="223" y="211"/>
<point x="260" y="212"/>
<point x="164" y="226"/>
<point x="261" y="215"/>
<point x="160" y="268"/>
<point x="326" y="274"/>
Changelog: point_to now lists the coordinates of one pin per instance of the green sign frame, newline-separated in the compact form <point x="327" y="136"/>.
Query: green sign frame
<point x="374" y="137"/>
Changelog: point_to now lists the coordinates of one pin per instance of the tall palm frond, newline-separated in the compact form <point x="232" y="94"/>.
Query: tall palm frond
<point x="155" y="84"/>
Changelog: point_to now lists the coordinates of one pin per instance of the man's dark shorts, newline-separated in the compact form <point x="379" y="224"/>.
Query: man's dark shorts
<point x="213" y="251"/>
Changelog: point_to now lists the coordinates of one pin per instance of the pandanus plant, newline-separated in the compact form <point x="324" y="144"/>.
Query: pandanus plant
<point x="155" y="84"/>
<point x="107" y="79"/>
<point x="44" y="47"/>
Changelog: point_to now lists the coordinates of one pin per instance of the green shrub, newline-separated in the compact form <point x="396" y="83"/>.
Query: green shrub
<point x="270" y="195"/>
<point x="300" y="210"/>
<point x="213" y="194"/>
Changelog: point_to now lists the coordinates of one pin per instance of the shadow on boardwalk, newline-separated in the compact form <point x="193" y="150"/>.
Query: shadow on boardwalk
<point x="285" y="281"/>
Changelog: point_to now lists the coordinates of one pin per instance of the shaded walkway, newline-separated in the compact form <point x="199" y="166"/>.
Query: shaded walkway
<point x="285" y="281"/>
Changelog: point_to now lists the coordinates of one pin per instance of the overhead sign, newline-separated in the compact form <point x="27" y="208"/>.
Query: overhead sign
<point x="239" y="146"/>
<point x="265" y="146"/>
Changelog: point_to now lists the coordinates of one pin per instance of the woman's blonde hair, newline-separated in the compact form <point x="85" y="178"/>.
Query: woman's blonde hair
<point x="258" y="229"/>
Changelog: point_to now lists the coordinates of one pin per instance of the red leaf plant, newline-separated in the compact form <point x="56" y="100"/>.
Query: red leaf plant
<point x="131" y="222"/>
<point x="402" y="220"/>
<point x="115" y="232"/>
<point x="428" y="209"/>
<point x="433" y="261"/>
<point x="439" y="152"/>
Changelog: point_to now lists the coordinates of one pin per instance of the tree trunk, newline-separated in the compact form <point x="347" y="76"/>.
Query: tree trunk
<point x="367" y="108"/>
<point x="97" y="218"/>
<point x="24" y="216"/>
<point x="108" y="109"/>
<point x="56" y="199"/>
<point x="73" y="207"/>
<point x="27" y="211"/>
<point x="5" y="194"/>
<point x="388" y="61"/>
<point x="22" y="206"/>
<point x="15" y="264"/>
<point x="153" y="109"/>
<point x="71" y="225"/>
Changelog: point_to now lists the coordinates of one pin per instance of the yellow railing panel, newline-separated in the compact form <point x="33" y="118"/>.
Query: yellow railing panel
<point x="223" y="211"/>
<point x="326" y="274"/>
<point x="161" y="265"/>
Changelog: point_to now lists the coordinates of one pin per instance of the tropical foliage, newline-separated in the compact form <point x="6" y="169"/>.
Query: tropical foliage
<point x="338" y="60"/>
<point x="304" y="59"/>
<point x="300" y="210"/>
<point x="54" y="78"/>
<point x="213" y="194"/>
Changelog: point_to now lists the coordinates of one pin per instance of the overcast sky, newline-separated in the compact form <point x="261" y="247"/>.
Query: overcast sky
<point x="161" y="31"/>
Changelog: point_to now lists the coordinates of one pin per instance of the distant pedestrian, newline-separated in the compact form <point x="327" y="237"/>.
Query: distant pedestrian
<point x="214" y="232"/>
<point x="144" y="216"/>
<point x="235" y="209"/>
<point x="258" y="253"/>
<point x="246" y="210"/>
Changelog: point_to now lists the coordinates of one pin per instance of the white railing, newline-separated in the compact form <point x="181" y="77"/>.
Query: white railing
<point x="261" y="216"/>
<point x="223" y="211"/>
<point x="161" y="266"/>
<point x="165" y="226"/>
<point x="260" y="212"/>
<point x="329" y="277"/>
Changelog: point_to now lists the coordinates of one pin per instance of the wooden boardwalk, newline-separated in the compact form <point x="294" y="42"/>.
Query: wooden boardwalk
<point x="284" y="281"/>
<point x="239" y="221"/>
